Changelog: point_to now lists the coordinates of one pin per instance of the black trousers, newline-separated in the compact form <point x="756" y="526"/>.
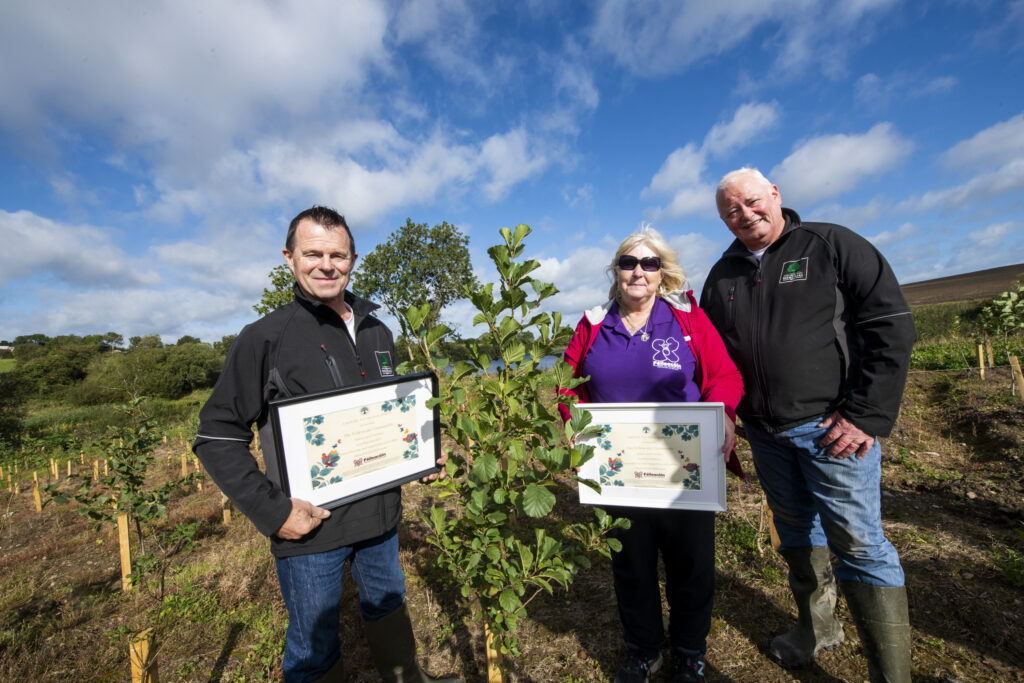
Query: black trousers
<point x="686" y="541"/>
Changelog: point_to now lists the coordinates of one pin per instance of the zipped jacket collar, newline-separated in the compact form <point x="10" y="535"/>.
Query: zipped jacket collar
<point x="360" y="307"/>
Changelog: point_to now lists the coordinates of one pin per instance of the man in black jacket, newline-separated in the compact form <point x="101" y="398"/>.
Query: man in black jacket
<point x="813" y="317"/>
<point x="326" y="338"/>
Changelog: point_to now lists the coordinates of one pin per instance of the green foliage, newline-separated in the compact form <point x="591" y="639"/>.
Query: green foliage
<point x="417" y="266"/>
<point x="150" y="341"/>
<point x="12" y="408"/>
<point x="961" y="354"/>
<point x="940" y="322"/>
<point x="59" y="366"/>
<point x="1004" y="315"/>
<point x="499" y="536"/>
<point x="280" y="291"/>
<point x="169" y="372"/>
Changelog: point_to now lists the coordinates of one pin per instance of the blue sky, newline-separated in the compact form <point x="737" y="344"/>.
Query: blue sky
<point x="152" y="154"/>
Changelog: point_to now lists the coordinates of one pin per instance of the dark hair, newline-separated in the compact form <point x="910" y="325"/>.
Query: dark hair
<point x="322" y="216"/>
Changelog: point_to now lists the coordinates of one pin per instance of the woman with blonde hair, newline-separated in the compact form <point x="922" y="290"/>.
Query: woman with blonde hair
<point x="651" y="343"/>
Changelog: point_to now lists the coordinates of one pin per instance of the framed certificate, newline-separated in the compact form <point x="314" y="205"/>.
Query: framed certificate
<point x="657" y="455"/>
<point x="339" y="446"/>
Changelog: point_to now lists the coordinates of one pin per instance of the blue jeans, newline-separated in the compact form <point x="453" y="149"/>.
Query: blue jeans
<point x="819" y="500"/>
<point x="311" y="587"/>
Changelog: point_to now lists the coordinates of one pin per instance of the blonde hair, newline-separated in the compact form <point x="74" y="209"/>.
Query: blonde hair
<point x="673" y="276"/>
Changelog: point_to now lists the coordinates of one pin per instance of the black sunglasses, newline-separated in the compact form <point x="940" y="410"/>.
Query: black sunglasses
<point x="648" y="263"/>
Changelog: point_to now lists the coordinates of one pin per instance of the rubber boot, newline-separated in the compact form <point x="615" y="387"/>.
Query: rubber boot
<point x="880" y="613"/>
<point x="333" y="675"/>
<point x="814" y="590"/>
<point x="394" y="649"/>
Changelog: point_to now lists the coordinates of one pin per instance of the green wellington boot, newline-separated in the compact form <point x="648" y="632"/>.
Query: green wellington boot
<point x="814" y="590"/>
<point x="394" y="649"/>
<point x="880" y="613"/>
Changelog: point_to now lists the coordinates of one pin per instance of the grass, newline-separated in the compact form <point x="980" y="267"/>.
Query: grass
<point x="7" y="364"/>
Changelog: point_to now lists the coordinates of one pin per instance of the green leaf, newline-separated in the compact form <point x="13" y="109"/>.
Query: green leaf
<point x="485" y="467"/>
<point x="537" y="501"/>
<point x="509" y="601"/>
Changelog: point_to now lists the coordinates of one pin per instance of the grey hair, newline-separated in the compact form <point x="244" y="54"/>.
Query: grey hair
<point x="673" y="276"/>
<point x="746" y="171"/>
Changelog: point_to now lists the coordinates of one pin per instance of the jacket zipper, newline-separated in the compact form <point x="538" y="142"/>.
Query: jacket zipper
<point x="332" y="367"/>
<point x="755" y="319"/>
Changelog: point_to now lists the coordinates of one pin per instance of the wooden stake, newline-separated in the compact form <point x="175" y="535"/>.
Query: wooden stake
<point x="988" y="348"/>
<point x="1" y="471"/>
<point x="37" y="499"/>
<point x="981" y="360"/>
<point x="141" y="653"/>
<point x="69" y="468"/>
<point x="95" y="470"/>
<point x="126" y="551"/>
<point x="105" y="470"/>
<point x="493" y="659"/>
<point x="1017" y="377"/>
<point x="225" y="505"/>
<point x="199" y="479"/>
<point x="184" y="464"/>
<point x="81" y="457"/>
<point x="35" y="478"/>
<point x="165" y="438"/>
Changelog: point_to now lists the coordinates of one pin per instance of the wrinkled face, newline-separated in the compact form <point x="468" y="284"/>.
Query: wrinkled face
<point x="637" y="286"/>
<point x="752" y="211"/>
<point x="321" y="261"/>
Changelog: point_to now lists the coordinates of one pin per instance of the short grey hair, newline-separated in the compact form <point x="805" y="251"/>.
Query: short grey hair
<point x="673" y="276"/>
<point x="732" y="176"/>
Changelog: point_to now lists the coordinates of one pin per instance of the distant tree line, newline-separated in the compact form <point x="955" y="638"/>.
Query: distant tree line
<point x="100" y="368"/>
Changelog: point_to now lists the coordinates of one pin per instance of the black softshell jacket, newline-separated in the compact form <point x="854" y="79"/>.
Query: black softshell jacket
<point x="819" y="324"/>
<point x="300" y="348"/>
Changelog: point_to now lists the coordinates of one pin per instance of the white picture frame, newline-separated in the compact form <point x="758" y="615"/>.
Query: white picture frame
<point x="635" y="456"/>
<point x="338" y="446"/>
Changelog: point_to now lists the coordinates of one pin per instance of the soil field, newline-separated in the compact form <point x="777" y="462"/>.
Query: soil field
<point x="953" y="505"/>
<point x="981" y="284"/>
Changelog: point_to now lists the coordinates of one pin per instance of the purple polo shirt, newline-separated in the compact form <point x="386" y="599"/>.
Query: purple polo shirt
<point x="626" y="369"/>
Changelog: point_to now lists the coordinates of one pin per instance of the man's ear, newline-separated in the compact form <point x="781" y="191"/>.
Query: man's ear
<point x="288" y="260"/>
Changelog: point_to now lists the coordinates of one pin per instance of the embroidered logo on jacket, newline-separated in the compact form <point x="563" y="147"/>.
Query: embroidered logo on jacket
<point x="384" y="363"/>
<point x="665" y="354"/>
<point x="794" y="271"/>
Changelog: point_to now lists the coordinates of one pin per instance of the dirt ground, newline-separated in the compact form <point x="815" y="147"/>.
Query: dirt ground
<point x="982" y="284"/>
<point x="953" y="504"/>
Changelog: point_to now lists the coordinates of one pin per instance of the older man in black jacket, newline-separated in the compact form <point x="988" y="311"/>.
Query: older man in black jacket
<point x="326" y="338"/>
<point x="814" y="318"/>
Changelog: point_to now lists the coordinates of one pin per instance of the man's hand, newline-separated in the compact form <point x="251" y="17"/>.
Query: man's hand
<point x="303" y="518"/>
<point x="440" y="475"/>
<point x="730" y="438"/>
<point x="845" y="438"/>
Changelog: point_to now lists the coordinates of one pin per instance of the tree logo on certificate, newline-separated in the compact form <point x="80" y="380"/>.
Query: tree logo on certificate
<point x="363" y="439"/>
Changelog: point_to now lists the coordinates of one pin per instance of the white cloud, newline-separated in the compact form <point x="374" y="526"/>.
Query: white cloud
<point x="853" y="217"/>
<point x="889" y="237"/>
<point x="509" y="158"/>
<point x="1008" y="179"/>
<point x="170" y="313"/>
<point x="51" y="252"/>
<point x="749" y="122"/>
<point x="681" y="174"/>
<point x="667" y="36"/>
<point x="873" y="91"/>
<point x="831" y="165"/>
<point x="997" y="144"/>
<point x="992" y="236"/>
<point x="190" y="75"/>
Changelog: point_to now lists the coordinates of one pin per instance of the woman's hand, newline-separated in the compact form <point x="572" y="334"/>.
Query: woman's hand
<point x="730" y="438"/>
